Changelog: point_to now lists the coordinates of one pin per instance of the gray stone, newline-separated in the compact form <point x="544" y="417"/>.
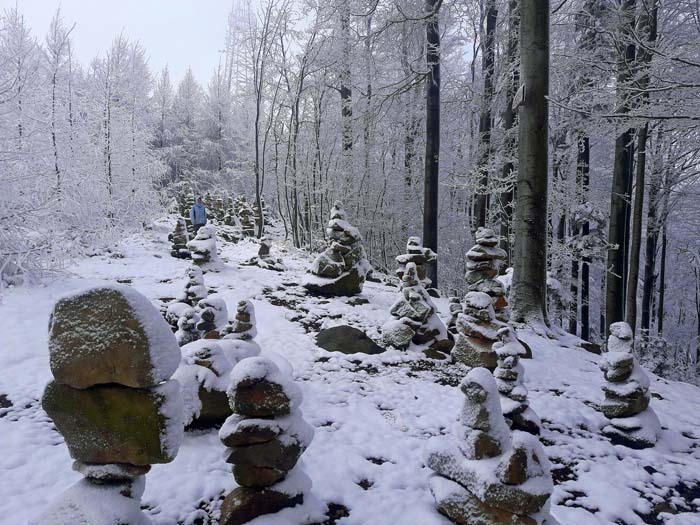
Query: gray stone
<point x="347" y="340"/>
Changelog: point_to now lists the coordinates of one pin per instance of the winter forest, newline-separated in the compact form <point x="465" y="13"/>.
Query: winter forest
<point x="499" y="324"/>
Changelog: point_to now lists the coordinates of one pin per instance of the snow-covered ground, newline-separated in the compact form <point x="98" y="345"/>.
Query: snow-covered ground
<point x="372" y="414"/>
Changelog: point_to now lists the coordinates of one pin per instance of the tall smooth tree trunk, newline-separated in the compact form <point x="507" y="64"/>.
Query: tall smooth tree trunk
<point x="346" y="90"/>
<point x="618" y="232"/>
<point x="584" y="162"/>
<point x="650" y="249"/>
<point x="432" y="134"/>
<point x="530" y="225"/>
<point x="481" y="204"/>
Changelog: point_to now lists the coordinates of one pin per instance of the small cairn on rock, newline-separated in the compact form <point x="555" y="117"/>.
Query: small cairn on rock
<point x="241" y="331"/>
<point x="415" y="315"/>
<point x="509" y="379"/>
<point x="633" y="423"/>
<point x="203" y="249"/>
<point x="477" y="330"/>
<point x="112" y="356"/>
<point x="246" y="216"/>
<point x="264" y="259"/>
<point x="187" y="328"/>
<point x="484" y="475"/>
<point x="341" y="269"/>
<point x="419" y="255"/>
<point x="483" y="261"/>
<point x="179" y="239"/>
<point x="213" y="315"/>
<point x="194" y="290"/>
<point x="265" y="437"/>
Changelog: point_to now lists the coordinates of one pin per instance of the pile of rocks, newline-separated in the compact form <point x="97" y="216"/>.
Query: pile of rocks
<point x="477" y="331"/>
<point x="265" y="437"/>
<point x="415" y="316"/>
<point x="264" y="259"/>
<point x="195" y="290"/>
<point x="246" y="217"/>
<point x="341" y="269"/>
<point x="112" y="356"/>
<point x="243" y="325"/>
<point x="509" y="378"/>
<point x="213" y="315"/>
<point x="483" y="262"/>
<point x="179" y="239"/>
<point x="484" y="475"/>
<point x="203" y="249"/>
<point x="417" y="254"/>
<point x="186" y="331"/>
<point x="633" y="423"/>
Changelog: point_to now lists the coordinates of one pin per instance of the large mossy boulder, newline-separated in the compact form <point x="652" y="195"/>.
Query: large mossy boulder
<point x="347" y="340"/>
<point x="111" y="334"/>
<point x="117" y="424"/>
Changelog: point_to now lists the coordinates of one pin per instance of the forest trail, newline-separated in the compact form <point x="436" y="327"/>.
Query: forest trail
<point x="372" y="414"/>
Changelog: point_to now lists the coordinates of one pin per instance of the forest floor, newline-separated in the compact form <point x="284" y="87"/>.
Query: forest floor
<point x="372" y="414"/>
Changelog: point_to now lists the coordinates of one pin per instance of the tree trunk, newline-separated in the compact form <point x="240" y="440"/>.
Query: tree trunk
<point x="530" y="225"/>
<point x="583" y="171"/>
<point x="651" y="245"/>
<point x="346" y="90"/>
<point x="432" y="135"/>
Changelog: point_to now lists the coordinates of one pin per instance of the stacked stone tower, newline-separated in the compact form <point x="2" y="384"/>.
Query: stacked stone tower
<point x="194" y="290"/>
<point x="265" y="438"/>
<point x="633" y="423"/>
<point x="203" y="248"/>
<point x="483" y="262"/>
<point x="246" y="216"/>
<point x="477" y="330"/>
<point x="484" y="475"/>
<point x="341" y="269"/>
<point x="419" y="255"/>
<point x="509" y="378"/>
<point x="243" y="325"/>
<point x="415" y="315"/>
<point x="179" y="239"/>
<point x="112" y="356"/>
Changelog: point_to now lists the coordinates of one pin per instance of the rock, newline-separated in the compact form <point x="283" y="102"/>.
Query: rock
<point x="397" y="333"/>
<point x="474" y="352"/>
<point x="259" y="398"/>
<point x="215" y="407"/>
<point x="347" y="284"/>
<point x="250" y="432"/>
<point x="111" y="334"/>
<point x="347" y="340"/>
<point x="480" y="445"/>
<point x="593" y="348"/>
<point x="257" y="477"/>
<point x="245" y="504"/>
<point x="117" y="424"/>
<point x="110" y="472"/>
<point x="281" y="453"/>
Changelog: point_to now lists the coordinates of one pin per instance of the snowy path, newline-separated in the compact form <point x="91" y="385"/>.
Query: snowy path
<point x="372" y="414"/>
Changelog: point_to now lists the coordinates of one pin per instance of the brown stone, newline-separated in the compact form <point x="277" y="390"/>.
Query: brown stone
<point x="512" y="470"/>
<point x="245" y="504"/>
<point x="215" y="406"/>
<point x="250" y="435"/>
<point x="271" y="454"/>
<point x="257" y="477"/>
<point x="474" y="352"/>
<point x="480" y="445"/>
<point x="259" y="398"/>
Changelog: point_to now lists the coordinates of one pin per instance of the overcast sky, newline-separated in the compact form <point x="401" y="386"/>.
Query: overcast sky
<point x="179" y="33"/>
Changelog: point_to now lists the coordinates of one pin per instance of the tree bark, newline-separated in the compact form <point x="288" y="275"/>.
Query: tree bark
<point x="432" y="135"/>
<point x="530" y="225"/>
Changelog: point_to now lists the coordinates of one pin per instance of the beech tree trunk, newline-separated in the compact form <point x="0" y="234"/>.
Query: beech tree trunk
<point x="530" y="225"/>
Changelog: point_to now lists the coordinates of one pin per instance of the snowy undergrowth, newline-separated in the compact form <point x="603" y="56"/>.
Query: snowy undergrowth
<point x="372" y="414"/>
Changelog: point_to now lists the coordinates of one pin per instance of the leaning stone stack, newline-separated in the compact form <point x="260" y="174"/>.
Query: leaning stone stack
<point x="417" y="254"/>
<point x="112" y="399"/>
<point x="415" y="315"/>
<point x="477" y="330"/>
<point x="483" y="261"/>
<point x="179" y="239"/>
<point x="633" y="423"/>
<point x="509" y="378"/>
<point x="484" y="475"/>
<point x="341" y="269"/>
<point x="203" y="249"/>
<point x="265" y="437"/>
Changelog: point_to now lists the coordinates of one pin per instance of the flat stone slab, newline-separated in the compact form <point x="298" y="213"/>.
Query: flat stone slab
<point x="347" y="340"/>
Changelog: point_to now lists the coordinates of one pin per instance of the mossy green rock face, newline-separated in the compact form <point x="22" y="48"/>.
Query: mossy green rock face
<point x="116" y="424"/>
<point x="110" y="335"/>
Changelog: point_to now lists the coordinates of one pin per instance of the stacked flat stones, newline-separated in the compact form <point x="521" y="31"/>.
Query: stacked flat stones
<point x="509" y="379"/>
<point x="203" y="248"/>
<point x="246" y="216"/>
<point x="483" y="262"/>
<point x="265" y="438"/>
<point x="112" y="356"/>
<point x="243" y="325"/>
<point x="477" y="331"/>
<point x="194" y="290"/>
<point x="264" y="259"/>
<point x="633" y="423"/>
<point x="213" y="314"/>
<point x="179" y="239"/>
<point x="415" y="315"/>
<point x="341" y="269"/>
<point x="484" y="474"/>
<point x="419" y="255"/>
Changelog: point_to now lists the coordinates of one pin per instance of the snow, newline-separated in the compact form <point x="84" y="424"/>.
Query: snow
<point x="372" y="415"/>
<point x="260" y="368"/>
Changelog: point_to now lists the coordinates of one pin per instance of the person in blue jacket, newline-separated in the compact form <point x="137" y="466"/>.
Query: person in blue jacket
<point x="198" y="215"/>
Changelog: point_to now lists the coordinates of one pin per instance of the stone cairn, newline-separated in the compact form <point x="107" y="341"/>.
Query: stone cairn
<point x="483" y="262"/>
<point x="264" y="259"/>
<point x="415" y="315"/>
<point x="633" y="423"/>
<point x="195" y="290"/>
<point x="243" y="325"/>
<point x="246" y="216"/>
<point x="179" y="239"/>
<point x="203" y="249"/>
<point x="417" y="254"/>
<point x="455" y="308"/>
<point x="341" y="269"/>
<point x="477" y="330"/>
<point x="112" y="356"/>
<point x="187" y="327"/>
<point x="213" y="315"/>
<point x="189" y="202"/>
<point x="265" y="438"/>
<point x="509" y="379"/>
<point x="484" y="474"/>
